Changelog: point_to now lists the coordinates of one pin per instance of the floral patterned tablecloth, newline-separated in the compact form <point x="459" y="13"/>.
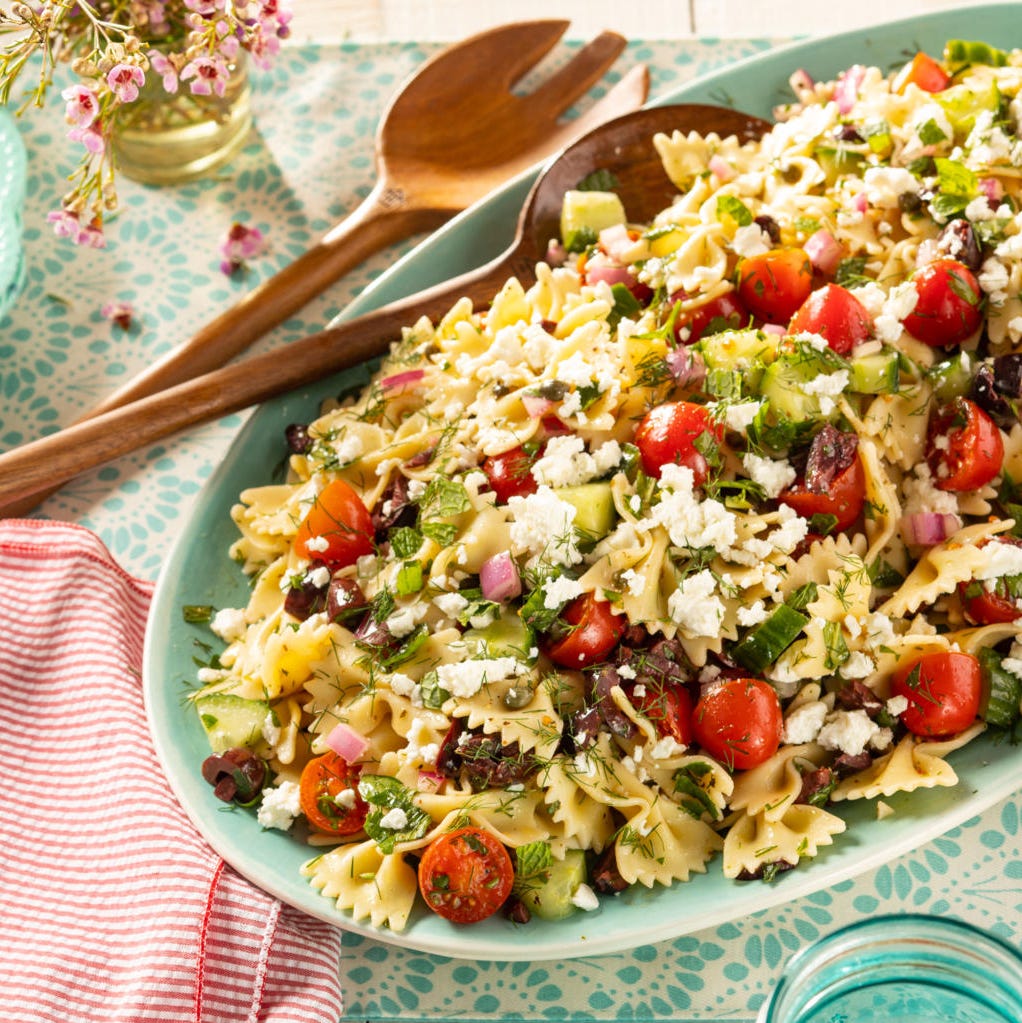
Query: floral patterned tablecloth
<point x="308" y="163"/>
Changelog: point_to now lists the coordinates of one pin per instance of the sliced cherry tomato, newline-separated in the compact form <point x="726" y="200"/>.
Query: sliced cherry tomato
<point x="948" y="309"/>
<point x="943" y="690"/>
<point x="986" y="604"/>
<point x="323" y="780"/>
<point x="671" y="433"/>
<point x="510" y="474"/>
<point x="668" y="707"/>
<point x="774" y="284"/>
<point x="739" y="723"/>
<point x="724" y="312"/>
<point x="923" y="71"/>
<point x="465" y="875"/>
<point x="338" y="529"/>
<point x="844" y="496"/>
<point x="964" y="447"/>
<point x="836" y="315"/>
<point x="597" y="629"/>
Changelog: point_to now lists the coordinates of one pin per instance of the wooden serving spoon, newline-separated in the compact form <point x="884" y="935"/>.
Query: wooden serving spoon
<point x="623" y="146"/>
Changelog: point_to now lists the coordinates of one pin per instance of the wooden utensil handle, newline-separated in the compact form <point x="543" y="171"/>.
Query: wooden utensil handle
<point x="42" y="464"/>
<point x="376" y="222"/>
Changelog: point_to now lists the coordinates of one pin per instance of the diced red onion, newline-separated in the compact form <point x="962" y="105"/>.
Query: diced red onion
<point x="346" y="742"/>
<point x="824" y="251"/>
<point x="556" y="253"/>
<point x="847" y="89"/>
<point x="801" y="83"/>
<point x="599" y="268"/>
<point x="861" y="203"/>
<point x="429" y="781"/>
<point x="720" y="167"/>
<point x="499" y="579"/>
<point x="616" y="242"/>
<point x="399" y="381"/>
<point x="993" y="189"/>
<point x="774" y="328"/>
<point x="535" y="406"/>
<point x="687" y="367"/>
<point x="927" y="529"/>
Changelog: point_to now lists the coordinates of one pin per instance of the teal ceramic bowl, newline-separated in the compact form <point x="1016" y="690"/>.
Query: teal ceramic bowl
<point x="199" y="571"/>
<point x="12" y="200"/>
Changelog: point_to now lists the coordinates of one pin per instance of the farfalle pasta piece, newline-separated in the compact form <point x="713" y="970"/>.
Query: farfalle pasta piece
<point x="756" y="841"/>
<point x="912" y="764"/>
<point x="770" y="789"/>
<point x="368" y="883"/>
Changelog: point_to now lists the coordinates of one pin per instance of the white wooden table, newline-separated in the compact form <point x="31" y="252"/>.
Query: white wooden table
<point x="445" y="20"/>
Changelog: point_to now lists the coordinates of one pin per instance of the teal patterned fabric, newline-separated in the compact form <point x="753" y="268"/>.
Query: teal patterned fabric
<point x="307" y="165"/>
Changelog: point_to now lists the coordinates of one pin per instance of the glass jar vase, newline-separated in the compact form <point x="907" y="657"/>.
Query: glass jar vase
<point x="163" y="138"/>
<point x="904" y="968"/>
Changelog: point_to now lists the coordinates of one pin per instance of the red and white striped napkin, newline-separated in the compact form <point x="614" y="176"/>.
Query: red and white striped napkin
<point x="112" y="907"/>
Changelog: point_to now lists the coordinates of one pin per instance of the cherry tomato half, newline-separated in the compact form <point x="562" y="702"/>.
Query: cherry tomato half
<point x="836" y="315"/>
<point x="844" y="498"/>
<point x="597" y="628"/>
<point x="510" y="474"/>
<point x="739" y="723"/>
<point x="724" y="312"/>
<point x="948" y="309"/>
<point x="923" y="71"/>
<point x="323" y="780"/>
<point x="669" y="433"/>
<point x="338" y="530"/>
<point x="668" y="707"/>
<point x="943" y="690"/>
<point x="964" y="447"/>
<point x="774" y="284"/>
<point x="984" y="604"/>
<point x="465" y="875"/>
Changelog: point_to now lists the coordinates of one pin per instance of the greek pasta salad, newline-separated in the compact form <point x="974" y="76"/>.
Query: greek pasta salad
<point x="661" y="557"/>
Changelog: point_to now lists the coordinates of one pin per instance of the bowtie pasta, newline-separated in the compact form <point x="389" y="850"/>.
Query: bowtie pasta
<point x="669" y="552"/>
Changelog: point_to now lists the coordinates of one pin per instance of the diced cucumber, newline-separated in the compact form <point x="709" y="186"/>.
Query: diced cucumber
<point x="876" y="373"/>
<point x="549" y="896"/>
<point x="508" y="636"/>
<point x="595" y="513"/>
<point x="1002" y="691"/>
<point x="585" y="214"/>
<point x="971" y="51"/>
<point x="836" y="161"/>
<point x="952" y="378"/>
<point x="962" y="104"/>
<point x="737" y="349"/>
<point x="231" y="720"/>
<point x="783" y="383"/>
<point x="764" y="643"/>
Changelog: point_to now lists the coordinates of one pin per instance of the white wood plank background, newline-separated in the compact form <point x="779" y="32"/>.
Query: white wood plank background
<point x="445" y="20"/>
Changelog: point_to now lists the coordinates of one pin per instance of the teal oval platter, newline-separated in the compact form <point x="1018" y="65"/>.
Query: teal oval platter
<point x="199" y="571"/>
<point x="12" y="198"/>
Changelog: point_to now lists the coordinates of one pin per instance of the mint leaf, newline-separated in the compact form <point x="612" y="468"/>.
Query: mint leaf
<point x="385" y="794"/>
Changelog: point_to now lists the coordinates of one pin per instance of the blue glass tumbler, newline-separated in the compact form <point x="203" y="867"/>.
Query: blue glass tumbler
<point x="901" y="969"/>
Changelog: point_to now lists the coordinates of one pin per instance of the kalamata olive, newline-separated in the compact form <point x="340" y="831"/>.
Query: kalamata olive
<point x="910" y="202"/>
<point x="958" y="240"/>
<point x="297" y="436"/>
<point x="237" y="774"/>
<point x="1008" y="375"/>
<point x="345" y="601"/>
<point x="772" y="228"/>
<point x="309" y="597"/>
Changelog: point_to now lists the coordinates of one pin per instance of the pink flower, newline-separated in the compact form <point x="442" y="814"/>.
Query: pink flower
<point x="89" y="137"/>
<point x="125" y="80"/>
<point x="210" y="74"/>
<point x="243" y="243"/>
<point x="118" y="313"/>
<point x="164" y="68"/>
<point x="67" y="224"/>
<point x="82" y="106"/>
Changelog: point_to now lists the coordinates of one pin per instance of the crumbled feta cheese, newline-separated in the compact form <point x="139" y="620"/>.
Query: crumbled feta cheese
<point x="665" y="748"/>
<point x="560" y="590"/>
<point x="270" y="729"/>
<point x="755" y="613"/>
<point x="635" y="581"/>
<point x="751" y="240"/>
<point x="403" y="621"/>
<point x="465" y="678"/>
<point x="738" y="416"/>
<point x="773" y="475"/>
<point x="848" y="731"/>
<point x="627" y="671"/>
<point x="858" y="665"/>
<point x="921" y="496"/>
<point x="542" y="525"/>
<point x="803" y="723"/>
<point x="229" y="624"/>
<point x="585" y="898"/>
<point x="395" y="819"/>
<point x="885" y="185"/>
<point x="1000" y="559"/>
<point x="564" y="463"/>
<point x="345" y="799"/>
<point x="896" y="706"/>
<point x="317" y="544"/>
<point x="319" y="576"/>
<point x="695" y="607"/>
<point x="348" y="448"/>
<point x="280" y="806"/>
<point x="689" y="521"/>
<point x="450" y="604"/>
